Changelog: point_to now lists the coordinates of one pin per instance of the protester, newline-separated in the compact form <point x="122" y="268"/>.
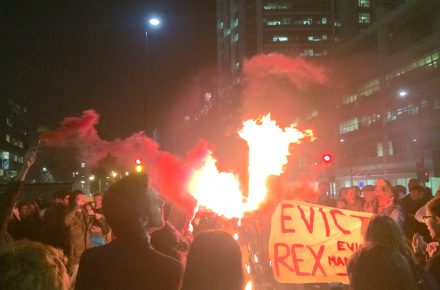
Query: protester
<point x="214" y="262"/>
<point x="387" y="203"/>
<point x="129" y="261"/>
<point x="432" y="250"/>
<point x="78" y="237"/>
<point x="383" y="230"/>
<point x="7" y="200"/>
<point x="370" y="199"/>
<point x="28" y="226"/>
<point x="100" y="230"/>
<point x="30" y="265"/>
<point x="377" y="267"/>
<point x="353" y="200"/>
<point x="54" y="230"/>
<point x="410" y="205"/>
<point x="324" y="197"/>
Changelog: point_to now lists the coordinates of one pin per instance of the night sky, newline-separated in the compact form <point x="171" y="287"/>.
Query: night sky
<point x="61" y="57"/>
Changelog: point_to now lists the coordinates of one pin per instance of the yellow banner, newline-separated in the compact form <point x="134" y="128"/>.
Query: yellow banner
<point x="312" y="243"/>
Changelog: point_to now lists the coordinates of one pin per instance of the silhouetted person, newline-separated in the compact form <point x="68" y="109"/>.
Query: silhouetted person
<point x="377" y="267"/>
<point x="214" y="262"/>
<point x="129" y="261"/>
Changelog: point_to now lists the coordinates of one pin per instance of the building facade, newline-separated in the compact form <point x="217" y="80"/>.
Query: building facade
<point x="389" y="113"/>
<point x="13" y="137"/>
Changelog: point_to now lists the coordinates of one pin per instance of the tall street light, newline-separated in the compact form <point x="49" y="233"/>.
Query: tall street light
<point x="150" y="24"/>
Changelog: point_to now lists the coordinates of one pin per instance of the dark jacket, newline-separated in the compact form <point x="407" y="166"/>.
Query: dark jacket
<point x="127" y="264"/>
<point x="433" y="267"/>
<point x="7" y="201"/>
<point x="54" y="230"/>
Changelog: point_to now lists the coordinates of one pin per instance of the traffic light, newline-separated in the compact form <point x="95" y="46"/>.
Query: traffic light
<point x="139" y="168"/>
<point x="327" y="158"/>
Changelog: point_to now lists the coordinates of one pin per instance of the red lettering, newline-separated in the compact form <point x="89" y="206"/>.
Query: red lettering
<point x="317" y="258"/>
<point x="296" y="261"/>
<point x="327" y="227"/>
<point x="340" y="245"/>
<point x="284" y="218"/>
<point x="333" y="213"/>
<point x="280" y="259"/>
<point x="309" y="224"/>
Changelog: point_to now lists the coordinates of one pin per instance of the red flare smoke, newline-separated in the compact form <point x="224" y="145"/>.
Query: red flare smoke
<point x="168" y="174"/>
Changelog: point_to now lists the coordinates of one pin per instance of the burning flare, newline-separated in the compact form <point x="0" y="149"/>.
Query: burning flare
<point x="268" y="150"/>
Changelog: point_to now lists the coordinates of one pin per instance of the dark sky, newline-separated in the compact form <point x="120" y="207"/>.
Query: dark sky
<point x="61" y="57"/>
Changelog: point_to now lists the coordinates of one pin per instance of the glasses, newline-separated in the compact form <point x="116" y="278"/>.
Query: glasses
<point x="426" y="218"/>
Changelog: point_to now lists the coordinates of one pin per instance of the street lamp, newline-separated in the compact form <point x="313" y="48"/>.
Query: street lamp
<point x="150" y="24"/>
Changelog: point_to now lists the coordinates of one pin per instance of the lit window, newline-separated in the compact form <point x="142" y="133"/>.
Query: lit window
<point x="308" y="52"/>
<point x="324" y="20"/>
<point x="275" y="5"/>
<point x="8" y="122"/>
<point x="235" y="37"/>
<point x="364" y="18"/>
<point x="317" y="38"/>
<point x="349" y="126"/>
<point x="349" y="99"/>
<point x="220" y="25"/>
<point x="390" y="148"/>
<point x="8" y="138"/>
<point x="308" y="21"/>
<point x="273" y="22"/>
<point x="379" y="149"/>
<point x="280" y="38"/>
<point x="364" y="3"/>
<point x="235" y="23"/>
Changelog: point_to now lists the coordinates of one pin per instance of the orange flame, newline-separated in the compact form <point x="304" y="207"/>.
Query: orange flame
<point x="268" y="150"/>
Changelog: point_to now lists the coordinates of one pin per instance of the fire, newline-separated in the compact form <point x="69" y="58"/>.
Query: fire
<point x="268" y="150"/>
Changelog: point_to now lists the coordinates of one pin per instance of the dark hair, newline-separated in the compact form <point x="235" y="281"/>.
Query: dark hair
<point x="368" y="188"/>
<point x="377" y="267"/>
<point x="124" y="204"/>
<point x="214" y="262"/>
<point x="384" y="230"/>
<point x="434" y="206"/>
<point x="73" y="196"/>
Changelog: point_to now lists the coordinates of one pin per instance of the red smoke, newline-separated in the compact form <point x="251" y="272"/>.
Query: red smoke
<point x="277" y="84"/>
<point x="168" y="174"/>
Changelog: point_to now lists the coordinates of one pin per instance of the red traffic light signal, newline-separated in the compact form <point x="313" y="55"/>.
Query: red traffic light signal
<point x="327" y="158"/>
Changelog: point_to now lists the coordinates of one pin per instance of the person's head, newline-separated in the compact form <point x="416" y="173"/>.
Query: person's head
<point x="399" y="190"/>
<point x="351" y="195"/>
<point x="413" y="182"/>
<point x="24" y="210"/>
<point x="31" y="265"/>
<point x="432" y="217"/>
<point x="97" y="198"/>
<point x="131" y="208"/>
<point x="323" y="188"/>
<point x="369" y="192"/>
<point x="385" y="195"/>
<point x="384" y="230"/>
<point x="76" y="197"/>
<point x="377" y="267"/>
<point x="416" y="192"/>
<point x="214" y="262"/>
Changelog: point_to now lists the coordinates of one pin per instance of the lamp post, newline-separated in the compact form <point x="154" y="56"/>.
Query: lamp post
<point x="151" y="23"/>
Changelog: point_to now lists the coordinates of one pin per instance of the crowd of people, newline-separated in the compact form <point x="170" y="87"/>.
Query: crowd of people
<point x="123" y="240"/>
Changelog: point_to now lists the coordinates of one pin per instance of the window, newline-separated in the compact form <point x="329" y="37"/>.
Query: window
<point x="317" y="38"/>
<point x="390" y="148"/>
<point x="364" y="3"/>
<point x="277" y="5"/>
<point x="379" y="149"/>
<point x="370" y="88"/>
<point x="307" y="52"/>
<point x="273" y="22"/>
<point x="349" y="99"/>
<point x="428" y="61"/>
<point x="235" y="23"/>
<point x="8" y="122"/>
<point x="349" y="126"/>
<point x="8" y="138"/>
<point x="324" y="20"/>
<point x="280" y="38"/>
<point x="278" y="22"/>
<point x="307" y="21"/>
<point x="364" y="18"/>
<point x="235" y="37"/>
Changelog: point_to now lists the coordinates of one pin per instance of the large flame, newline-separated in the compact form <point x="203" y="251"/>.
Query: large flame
<point x="268" y="150"/>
